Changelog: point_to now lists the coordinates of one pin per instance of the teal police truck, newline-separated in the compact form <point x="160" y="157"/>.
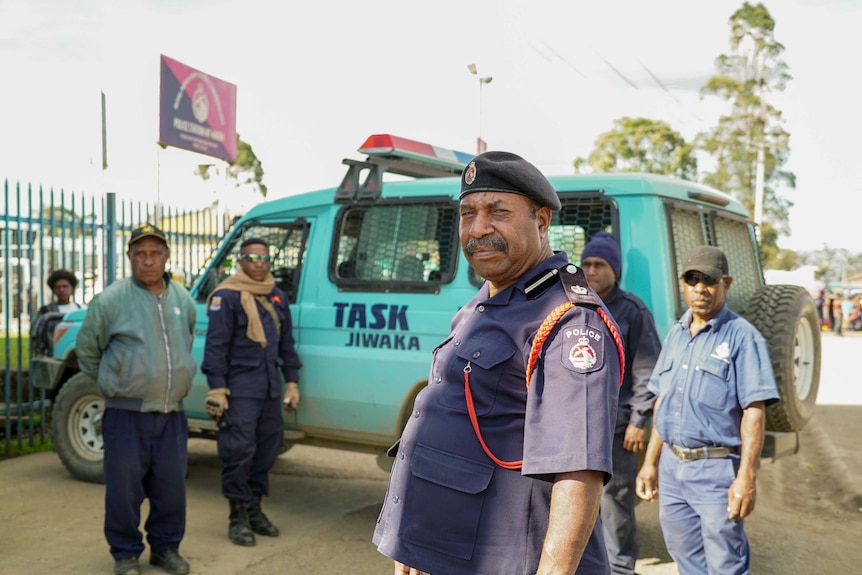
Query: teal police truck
<point x="374" y="273"/>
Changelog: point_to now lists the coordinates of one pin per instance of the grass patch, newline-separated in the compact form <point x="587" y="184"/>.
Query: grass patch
<point x="10" y="359"/>
<point x="14" y="450"/>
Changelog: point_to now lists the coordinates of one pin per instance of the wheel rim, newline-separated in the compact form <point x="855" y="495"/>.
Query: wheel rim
<point x="803" y="358"/>
<point x="85" y="427"/>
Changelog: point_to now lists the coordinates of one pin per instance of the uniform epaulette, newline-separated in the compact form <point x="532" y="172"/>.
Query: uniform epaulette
<point x="573" y="280"/>
<point x="576" y="286"/>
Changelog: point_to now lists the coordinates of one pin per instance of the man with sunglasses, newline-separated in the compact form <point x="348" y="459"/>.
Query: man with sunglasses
<point x="249" y="353"/>
<point x="713" y="380"/>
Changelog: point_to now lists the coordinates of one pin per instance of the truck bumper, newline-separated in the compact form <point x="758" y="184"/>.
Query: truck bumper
<point x="778" y="444"/>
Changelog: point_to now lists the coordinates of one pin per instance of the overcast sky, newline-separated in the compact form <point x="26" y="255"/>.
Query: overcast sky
<point x="314" y="79"/>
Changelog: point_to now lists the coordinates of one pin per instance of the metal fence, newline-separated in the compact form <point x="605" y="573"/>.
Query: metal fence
<point x="45" y="230"/>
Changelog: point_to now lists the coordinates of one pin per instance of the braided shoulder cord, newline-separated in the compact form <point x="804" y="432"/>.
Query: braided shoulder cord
<point x="542" y="335"/>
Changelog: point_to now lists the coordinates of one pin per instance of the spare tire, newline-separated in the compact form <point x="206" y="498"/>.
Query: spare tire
<point x="786" y="317"/>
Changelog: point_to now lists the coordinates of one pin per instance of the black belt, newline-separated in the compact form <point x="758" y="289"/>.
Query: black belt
<point x="695" y="453"/>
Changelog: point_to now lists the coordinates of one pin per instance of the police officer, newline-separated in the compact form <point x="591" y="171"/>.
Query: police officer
<point x="249" y="349"/>
<point x="490" y="476"/>
<point x="713" y="380"/>
<point x="602" y="266"/>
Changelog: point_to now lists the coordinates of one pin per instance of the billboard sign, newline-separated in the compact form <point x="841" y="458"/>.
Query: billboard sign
<point x="197" y="111"/>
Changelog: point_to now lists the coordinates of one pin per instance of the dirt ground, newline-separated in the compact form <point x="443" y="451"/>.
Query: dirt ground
<point x="808" y="519"/>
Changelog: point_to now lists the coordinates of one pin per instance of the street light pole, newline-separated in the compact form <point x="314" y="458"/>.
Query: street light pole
<point x="481" y="146"/>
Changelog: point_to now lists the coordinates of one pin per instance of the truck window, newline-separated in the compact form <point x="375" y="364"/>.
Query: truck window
<point x="401" y="247"/>
<point x="691" y="226"/>
<point x="287" y="244"/>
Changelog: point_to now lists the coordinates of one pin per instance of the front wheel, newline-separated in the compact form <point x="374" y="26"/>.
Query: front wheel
<point x="76" y="428"/>
<point x="787" y="319"/>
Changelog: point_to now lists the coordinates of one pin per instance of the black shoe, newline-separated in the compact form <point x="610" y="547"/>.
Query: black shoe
<point x="239" y="530"/>
<point x="127" y="566"/>
<point x="170" y="561"/>
<point x="259" y="522"/>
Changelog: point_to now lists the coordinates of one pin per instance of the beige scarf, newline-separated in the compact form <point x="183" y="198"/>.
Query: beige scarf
<point x="248" y="288"/>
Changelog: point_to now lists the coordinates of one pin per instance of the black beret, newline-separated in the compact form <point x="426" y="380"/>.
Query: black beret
<point x="507" y="172"/>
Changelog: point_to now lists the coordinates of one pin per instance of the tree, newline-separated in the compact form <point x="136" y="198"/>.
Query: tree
<point x="752" y="127"/>
<point x="642" y="145"/>
<point x="833" y="265"/>
<point x="247" y="170"/>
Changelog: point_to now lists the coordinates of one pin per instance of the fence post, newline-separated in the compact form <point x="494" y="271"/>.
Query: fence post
<point x="111" y="239"/>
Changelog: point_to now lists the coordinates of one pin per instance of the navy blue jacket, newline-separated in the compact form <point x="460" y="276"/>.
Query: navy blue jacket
<point x="232" y="360"/>
<point x="642" y="345"/>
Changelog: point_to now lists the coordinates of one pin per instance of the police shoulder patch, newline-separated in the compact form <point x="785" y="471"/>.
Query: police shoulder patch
<point x="583" y="348"/>
<point x="215" y="303"/>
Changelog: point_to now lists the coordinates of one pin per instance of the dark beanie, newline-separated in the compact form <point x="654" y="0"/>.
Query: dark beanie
<point x="604" y="245"/>
<point x="507" y="172"/>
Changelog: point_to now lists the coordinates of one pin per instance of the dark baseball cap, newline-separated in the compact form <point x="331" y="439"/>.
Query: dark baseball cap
<point x="147" y="231"/>
<point x="507" y="172"/>
<point x="707" y="260"/>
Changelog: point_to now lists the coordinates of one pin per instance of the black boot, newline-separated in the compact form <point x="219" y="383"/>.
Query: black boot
<point x="239" y="531"/>
<point x="259" y="522"/>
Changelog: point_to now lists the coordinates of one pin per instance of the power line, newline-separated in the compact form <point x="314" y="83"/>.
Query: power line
<point x="667" y="91"/>
<point x="617" y="72"/>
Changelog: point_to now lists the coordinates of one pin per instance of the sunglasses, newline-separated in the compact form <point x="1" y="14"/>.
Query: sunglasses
<point x="254" y="258"/>
<point x="694" y="279"/>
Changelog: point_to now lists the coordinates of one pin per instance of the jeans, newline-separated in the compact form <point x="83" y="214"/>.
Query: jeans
<point x="693" y="515"/>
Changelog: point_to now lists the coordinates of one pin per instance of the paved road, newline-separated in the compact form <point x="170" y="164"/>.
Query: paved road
<point x="326" y="503"/>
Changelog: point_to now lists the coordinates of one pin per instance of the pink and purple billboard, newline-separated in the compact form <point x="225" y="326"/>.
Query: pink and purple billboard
<point x="197" y="111"/>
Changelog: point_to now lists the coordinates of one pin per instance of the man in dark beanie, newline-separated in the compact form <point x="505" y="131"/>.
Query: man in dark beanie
<point x="601" y="263"/>
<point x="501" y="466"/>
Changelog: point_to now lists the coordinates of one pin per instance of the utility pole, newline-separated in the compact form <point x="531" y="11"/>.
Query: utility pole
<point x="481" y="145"/>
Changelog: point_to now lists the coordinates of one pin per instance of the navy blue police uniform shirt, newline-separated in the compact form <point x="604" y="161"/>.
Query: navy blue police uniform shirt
<point x="449" y="508"/>
<point x="232" y="360"/>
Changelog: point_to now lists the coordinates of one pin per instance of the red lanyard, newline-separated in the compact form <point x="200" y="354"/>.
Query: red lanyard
<point x="538" y="342"/>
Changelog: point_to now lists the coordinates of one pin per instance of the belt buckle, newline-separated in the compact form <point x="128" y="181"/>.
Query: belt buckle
<point x="683" y="453"/>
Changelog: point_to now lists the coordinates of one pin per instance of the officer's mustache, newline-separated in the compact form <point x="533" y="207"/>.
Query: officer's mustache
<point x="496" y="243"/>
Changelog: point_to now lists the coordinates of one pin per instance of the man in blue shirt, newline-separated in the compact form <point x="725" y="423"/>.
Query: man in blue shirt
<point x="602" y="266"/>
<point x="500" y="471"/>
<point x="713" y="380"/>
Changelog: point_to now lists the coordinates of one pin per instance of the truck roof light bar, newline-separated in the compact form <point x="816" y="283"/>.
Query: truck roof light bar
<point x="412" y="158"/>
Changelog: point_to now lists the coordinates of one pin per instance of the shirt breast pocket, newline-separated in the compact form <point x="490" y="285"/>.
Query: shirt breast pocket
<point x="487" y="359"/>
<point x="712" y="387"/>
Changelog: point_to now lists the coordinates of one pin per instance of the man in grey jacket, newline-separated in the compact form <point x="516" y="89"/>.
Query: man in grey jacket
<point x="136" y="341"/>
